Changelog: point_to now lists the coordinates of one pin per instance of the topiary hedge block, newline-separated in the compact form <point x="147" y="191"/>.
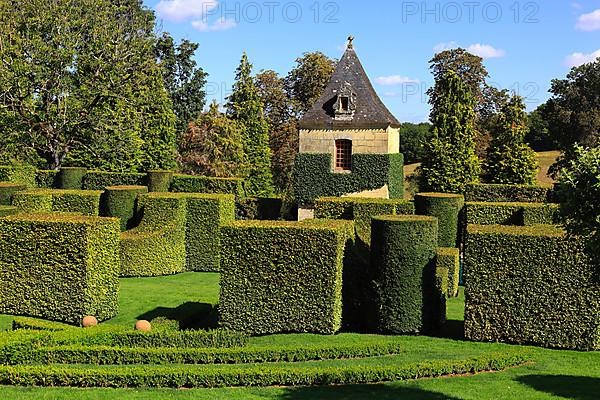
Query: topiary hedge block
<point x="449" y="258"/>
<point x="313" y="176"/>
<point x="24" y="174"/>
<point x="501" y="213"/>
<point x="489" y="192"/>
<point x="282" y="276"/>
<point x="448" y="209"/>
<point x="46" y="179"/>
<point x="157" y="245"/>
<point x="99" y="180"/>
<point x="86" y="202"/>
<point x="403" y="272"/>
<point x="205" y="184"/>
<point x="530" y="285"/>
<point x="71" y="178"/>
<point x="206" y="213"/>
<point x="120" y="202"/>
<point x="159" y="180"/>
<point x="59" y="267"/>
<point x="7" y="189"/>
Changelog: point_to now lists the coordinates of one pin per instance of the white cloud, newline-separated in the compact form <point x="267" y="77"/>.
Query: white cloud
<point x="589" y="22"/>
<point x="180" y="10"/>
<point x="577" y="59"/>
<point x="394" y="80"/>
<point x="481" y="50"/>
<point x="221" y="24"/>
<point x="485" y="51"/>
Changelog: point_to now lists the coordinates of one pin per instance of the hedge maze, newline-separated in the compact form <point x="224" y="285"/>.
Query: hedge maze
<point x="379" y="266"/>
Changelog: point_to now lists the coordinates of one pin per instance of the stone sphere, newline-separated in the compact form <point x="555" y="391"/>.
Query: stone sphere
<point x="143" y="325"/>
<point x="88" y="321"/>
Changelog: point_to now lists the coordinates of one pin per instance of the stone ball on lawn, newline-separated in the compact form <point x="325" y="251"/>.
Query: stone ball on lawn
<point x="89" y="321"/>
<point x="143" y="325"/>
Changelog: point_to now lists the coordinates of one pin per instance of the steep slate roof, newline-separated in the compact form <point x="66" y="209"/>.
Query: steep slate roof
<point x="370" y="112"/>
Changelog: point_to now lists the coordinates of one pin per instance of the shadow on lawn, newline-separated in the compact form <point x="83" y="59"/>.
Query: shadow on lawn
<point x="190" y="315"/>
<point x="362" y="392"/>
<point x="568" y="386"/>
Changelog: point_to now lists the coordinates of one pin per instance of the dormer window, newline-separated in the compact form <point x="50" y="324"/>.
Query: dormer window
<point x="343" y="155"/>
<point x="344" y="104"/>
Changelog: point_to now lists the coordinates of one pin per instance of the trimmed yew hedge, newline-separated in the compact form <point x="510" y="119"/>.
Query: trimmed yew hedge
<point x="86" y="202"/>
<point x="282" y="276"/>
<point x="24" y="174"/>
<point x="7" y="189"/>
<point x="488" y="213"/>
<point x="99" y="180"/>
<point x="205" y="184"/>
<point x="71" y="178"/>
<point x="254" y="375"/>
<point x="313" y="176"/>
<point x="508" y="193"/>
<point x="530" y="285"/>
<point x="157" y="245"/>
<point x="448" y="209"/>
<point x="47" y="179"/>
<point x="59" y="267"/>
<point x="8" y="210"/>
<point x="403" y="254"/>
<point x="120" y="202"/>
<point x="159" y="180"/>
<point x="206" y="213"/>
<point x="449" y="258"/>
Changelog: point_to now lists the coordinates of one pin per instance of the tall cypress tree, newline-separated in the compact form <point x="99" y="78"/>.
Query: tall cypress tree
<point x="510" y="160"/>
<point x="450" y="162"/>
<point x="244" y="105"/>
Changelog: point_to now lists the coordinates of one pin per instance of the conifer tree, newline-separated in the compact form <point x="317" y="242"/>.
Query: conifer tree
<point x="450" y="162"/>
<point x="510" y="160"/>
<point x="244" y="105"/>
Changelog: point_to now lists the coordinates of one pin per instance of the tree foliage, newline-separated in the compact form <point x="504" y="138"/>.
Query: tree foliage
<point x="307" y="80"/>
<point x="579" y="192"/>
<point x="245" y="106"/>
<point x="539" y="137"/>
<point x="510" y="160"/>
<point x="573" y="111"/>
<point x="184" y="80"/>
<point x="283" y="127"/>
<point x="413" y="138"/>
<point x="212" y="146"/>
<point x="78" y="83"/>
<point x="450" y="161"/>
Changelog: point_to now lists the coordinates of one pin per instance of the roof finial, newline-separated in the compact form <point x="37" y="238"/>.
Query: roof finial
<point x="350" y="39"/>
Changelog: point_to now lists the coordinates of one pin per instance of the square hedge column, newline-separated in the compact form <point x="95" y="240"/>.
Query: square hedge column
<point x="59" y="267"/>
<point x="283" y="276"/>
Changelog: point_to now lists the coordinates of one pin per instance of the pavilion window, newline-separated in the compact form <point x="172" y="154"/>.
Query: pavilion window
<point x="343" y="155"/>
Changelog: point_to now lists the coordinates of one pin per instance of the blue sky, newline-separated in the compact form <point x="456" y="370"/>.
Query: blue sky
<point x="525" y="44"/>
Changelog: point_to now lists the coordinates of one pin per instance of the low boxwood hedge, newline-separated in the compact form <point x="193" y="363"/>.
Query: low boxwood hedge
<point x="508" y="193"/>
<point x="86" y="202"/>
<point x="449" y="258"/>
<point x="157" y="245"/>
<point x="250" y="375"/>
<point x="59" y="267"/>
<point x="7" y="189"/>
<point x="489" y="213"/>
<point x="313" y="176"/>
<point x="403" y="271"/>
<point x="530" y="285"/>
<point x="448" y="209"/>
<point x="282" y="276"/>
<point x="205" y="184"/>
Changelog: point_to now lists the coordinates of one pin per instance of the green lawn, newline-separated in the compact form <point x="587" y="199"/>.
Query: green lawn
<point x="554" y="374"/>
